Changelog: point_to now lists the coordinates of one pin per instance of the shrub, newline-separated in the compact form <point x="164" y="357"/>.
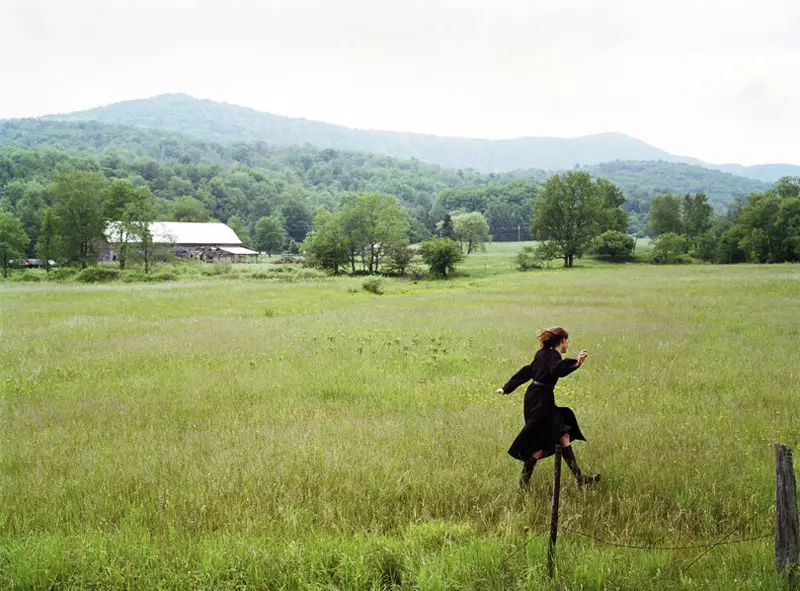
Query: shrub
<point x="441" y="255"/>
<point x="614" y="245"/>
<point x="667" y="247"/>
<point x="97" y="275"/>
<point x="416" y="272"/>
<point x="133" y="276"/>
<point x="29" y="276"/>
<point x="373" y="285"/>
<point x="61" y="274"/>
<point x="398" y="258"/>
<point x="161" y="277"/>
<point x="535" y="257"/>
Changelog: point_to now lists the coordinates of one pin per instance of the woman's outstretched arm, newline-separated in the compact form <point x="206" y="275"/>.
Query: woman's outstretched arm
<point x="519" y="378"/>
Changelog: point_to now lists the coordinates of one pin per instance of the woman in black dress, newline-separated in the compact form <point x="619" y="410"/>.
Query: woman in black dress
<point x="545" y="423"/>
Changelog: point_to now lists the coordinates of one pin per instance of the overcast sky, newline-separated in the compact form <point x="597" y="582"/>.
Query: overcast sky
<point x="714" y="79"/>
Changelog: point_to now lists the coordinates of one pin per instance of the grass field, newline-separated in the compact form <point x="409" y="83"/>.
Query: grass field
<point x="257" y="434"/>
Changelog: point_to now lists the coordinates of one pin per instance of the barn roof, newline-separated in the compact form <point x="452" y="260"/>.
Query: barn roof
<point x="183" y="233"/>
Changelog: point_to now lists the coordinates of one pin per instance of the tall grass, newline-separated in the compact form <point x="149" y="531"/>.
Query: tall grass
<point x="227" y="435"/>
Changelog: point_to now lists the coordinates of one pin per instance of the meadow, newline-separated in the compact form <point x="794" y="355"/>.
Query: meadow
<point x="260" y="434"/>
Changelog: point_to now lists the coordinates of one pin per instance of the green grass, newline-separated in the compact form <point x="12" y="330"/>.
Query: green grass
<point x="310" y="435"/>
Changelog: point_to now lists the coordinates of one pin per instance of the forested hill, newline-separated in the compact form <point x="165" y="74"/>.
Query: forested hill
<point x="221" y="122"/>
<point x="640" y="180"/>
<point x="768" y="173"/>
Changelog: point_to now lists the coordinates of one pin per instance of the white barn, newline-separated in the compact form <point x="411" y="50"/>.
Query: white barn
<point x="205" y="241"/>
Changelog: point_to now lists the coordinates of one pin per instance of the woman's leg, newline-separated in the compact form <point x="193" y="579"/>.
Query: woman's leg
<point x="569" y="457"/>
<point x="527" y="469"/>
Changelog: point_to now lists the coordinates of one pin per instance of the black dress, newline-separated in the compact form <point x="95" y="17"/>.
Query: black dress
<point x="545" y="422"/>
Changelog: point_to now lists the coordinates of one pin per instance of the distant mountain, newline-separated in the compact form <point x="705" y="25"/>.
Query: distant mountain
<point x="221" y="122"/>
<point x="641" y="180"/>
<point x="345" y="170"/>
<point x="768" y="173"/>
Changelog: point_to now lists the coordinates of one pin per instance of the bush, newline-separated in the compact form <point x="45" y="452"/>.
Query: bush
<point x="441" y="255"/>
<point x="614" y="245"/>
<point x="416" y="272"/>
<point x="668" y="247"/>
<point x="97" y="275"/>
<point x="373" y="285"/>
<point x="61" y="274"/>
<point x="535" y="257"/>
<point x="133" y="276"/>
<point x="161" y="277"/>
<point x="29" y="276"/>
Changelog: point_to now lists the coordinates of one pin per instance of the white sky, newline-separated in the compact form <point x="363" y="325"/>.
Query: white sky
<point x="714" y="79"/>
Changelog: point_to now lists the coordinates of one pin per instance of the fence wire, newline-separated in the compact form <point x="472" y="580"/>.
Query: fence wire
<point x="706" y="547"/>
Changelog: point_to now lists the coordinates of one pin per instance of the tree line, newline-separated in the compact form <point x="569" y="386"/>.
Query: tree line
<point x="762" y="227"/>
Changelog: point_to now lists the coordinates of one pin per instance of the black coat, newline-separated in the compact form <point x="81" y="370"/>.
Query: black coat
<point x="544" y="421"/>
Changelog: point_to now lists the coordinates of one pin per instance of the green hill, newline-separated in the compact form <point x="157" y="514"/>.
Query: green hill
<point x="221" y="122"/>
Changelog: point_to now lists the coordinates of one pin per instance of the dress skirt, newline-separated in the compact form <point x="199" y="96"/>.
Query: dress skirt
<point x="543" y="430"/>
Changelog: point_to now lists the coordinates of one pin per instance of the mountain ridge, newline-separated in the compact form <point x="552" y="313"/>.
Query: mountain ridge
<point x="224" y="122"/>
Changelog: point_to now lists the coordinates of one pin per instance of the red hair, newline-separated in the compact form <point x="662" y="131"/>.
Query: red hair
<point x="552" y="337"/>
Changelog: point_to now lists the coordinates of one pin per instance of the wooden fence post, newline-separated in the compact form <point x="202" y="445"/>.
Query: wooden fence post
<point x="786" y="526"/>
<point x="551" y="549"/>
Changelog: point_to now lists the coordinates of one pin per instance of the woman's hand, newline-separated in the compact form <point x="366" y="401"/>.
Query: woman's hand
<point x="500" y="391"/>
<point x="582" y="357"/>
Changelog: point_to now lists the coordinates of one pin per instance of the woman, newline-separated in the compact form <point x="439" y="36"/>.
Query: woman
<point x="545" y="423"/>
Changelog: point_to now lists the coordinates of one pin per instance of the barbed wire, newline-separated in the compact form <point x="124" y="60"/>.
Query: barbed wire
<point x="708" y="547"/>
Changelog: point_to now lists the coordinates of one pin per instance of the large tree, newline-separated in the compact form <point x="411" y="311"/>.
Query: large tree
<point x="472" y="230"/>
<point x="13" y="240"/>
<point x="665" y="215"/>
<point x="269" y="235"/>
<point x="372" y="225"/>
<point x="569" y="213"/>
<point x="50" y="245"/>
<point x="325" y="246"/>
<point x="78" y="203"/>
<point x="696" y="214"/>
<point x="297" y="219"/>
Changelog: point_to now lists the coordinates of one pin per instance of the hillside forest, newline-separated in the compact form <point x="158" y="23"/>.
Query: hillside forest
<point x="61" y="183"/>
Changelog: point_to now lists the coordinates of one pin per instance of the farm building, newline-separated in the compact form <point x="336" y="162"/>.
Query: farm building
<point x="203" y="241"/>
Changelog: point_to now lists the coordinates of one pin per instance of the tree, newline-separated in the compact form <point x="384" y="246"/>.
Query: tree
<point x="297" y="220"/>
<point x="137" y="219"/>
<point x="696" y="215"/>
<point x="614" y="245"/>
<point x="568" y="212"/>
<point x="612" y="217"/>
<point x="665" y="215"/>
<point x="13" y="240"/>
<point x="325" y="246"/>
<point x="189" y="209"/>
<point x="269" y="234"/>
<point x="445" y="227"/>
<point x="666" y="245"/>
<point x="78" y="203"/>
<point x="29" y="210"/>
<point x="399" y="256"/>
<point x="372" y="224"/>
<point x="236" y="224"/>
<point x="50" y="245"/>
<point x="471" y="229"/>
<point x="441" y="255"/>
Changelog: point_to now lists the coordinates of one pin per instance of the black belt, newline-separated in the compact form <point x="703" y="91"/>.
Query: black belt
<point x="537" y="383"/>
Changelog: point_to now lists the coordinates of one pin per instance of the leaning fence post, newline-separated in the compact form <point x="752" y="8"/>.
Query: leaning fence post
<point x="551" y="549"/>
<point x="786" y="526"/>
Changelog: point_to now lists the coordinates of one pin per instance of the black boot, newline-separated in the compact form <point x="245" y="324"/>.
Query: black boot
<point x="525" y="477"/>
<point x="580" y="477"/>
